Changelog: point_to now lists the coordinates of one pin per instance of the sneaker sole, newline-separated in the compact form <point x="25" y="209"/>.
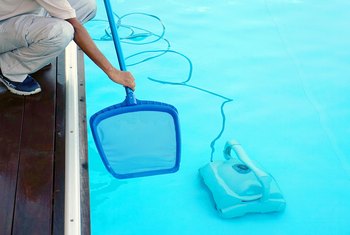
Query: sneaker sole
<point x="14" y="91"/>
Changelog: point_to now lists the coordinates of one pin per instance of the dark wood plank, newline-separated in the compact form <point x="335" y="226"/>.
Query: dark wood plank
<point x="34" y="194"/>
<point x="84" y="169"/>
<point x="39" y="119"/>
<point x="33" y="206"/>
<point x="11" y="115"/>
<point x="59" y="162"/>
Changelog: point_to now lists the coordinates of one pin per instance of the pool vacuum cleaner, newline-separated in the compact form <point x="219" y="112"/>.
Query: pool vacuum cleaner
<point x="239" y="187"/>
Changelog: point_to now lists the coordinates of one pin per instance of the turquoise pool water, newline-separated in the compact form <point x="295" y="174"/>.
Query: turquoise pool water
<point x="277" y="72"/>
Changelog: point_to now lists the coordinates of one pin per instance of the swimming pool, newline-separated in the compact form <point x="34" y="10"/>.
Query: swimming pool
<point x="277" y="73"/>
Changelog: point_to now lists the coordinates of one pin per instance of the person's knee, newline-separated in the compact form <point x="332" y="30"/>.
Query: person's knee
<point x="62" y="32"/>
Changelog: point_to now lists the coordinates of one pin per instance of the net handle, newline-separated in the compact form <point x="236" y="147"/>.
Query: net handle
<point x="130" y="98"/>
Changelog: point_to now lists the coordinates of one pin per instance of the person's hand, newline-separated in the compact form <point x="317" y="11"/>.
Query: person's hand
<point x="85" y="42"/>
<point x="123" y="78"/>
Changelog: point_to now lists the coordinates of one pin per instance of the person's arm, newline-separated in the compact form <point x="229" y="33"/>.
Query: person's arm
<point x="85" y="42"/>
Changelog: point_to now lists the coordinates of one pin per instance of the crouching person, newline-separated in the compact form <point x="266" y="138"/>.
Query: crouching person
<point x="33" y="32"/>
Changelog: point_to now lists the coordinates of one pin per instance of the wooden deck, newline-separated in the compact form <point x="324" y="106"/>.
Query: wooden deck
<point x="32" y="157"/>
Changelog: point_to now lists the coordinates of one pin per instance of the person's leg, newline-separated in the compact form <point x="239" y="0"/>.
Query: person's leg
<point x="30" y="43"/>
<point x="85" y="9"/>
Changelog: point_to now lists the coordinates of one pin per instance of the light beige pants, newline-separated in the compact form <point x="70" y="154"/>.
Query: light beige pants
<point x="29" y="42"/>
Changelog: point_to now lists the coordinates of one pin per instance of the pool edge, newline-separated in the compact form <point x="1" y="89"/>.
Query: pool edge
<point x="77" y="209"/>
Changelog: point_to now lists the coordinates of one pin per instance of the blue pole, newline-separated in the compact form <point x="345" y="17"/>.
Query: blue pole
<point x="129" y="93"/>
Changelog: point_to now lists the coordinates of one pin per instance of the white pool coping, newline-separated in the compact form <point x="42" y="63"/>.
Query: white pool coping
<point x="72" y="220"/>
